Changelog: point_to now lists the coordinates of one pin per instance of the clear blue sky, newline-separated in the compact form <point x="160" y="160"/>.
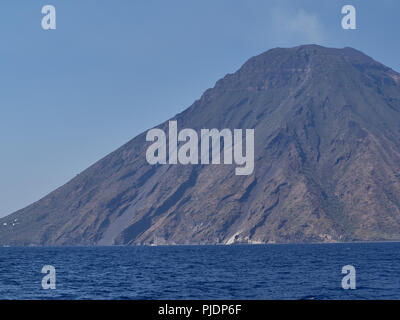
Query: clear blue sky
<point x="113" y="69"/>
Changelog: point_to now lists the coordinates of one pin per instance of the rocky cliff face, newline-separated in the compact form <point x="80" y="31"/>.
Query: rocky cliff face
<point x="327" y="165"/>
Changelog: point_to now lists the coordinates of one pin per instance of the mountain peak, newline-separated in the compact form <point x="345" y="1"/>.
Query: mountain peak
<point x="280" y="66"/>
<point x="310" y="54"/>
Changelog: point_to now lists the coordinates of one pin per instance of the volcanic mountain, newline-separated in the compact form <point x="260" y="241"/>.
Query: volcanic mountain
<point x="327" y="165"/>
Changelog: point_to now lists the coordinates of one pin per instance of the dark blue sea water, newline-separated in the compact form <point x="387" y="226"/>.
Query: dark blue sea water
<point x="203" y="272"/>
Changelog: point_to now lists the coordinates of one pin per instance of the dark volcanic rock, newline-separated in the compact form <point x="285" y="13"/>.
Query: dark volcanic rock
<point x="327" y="165"/>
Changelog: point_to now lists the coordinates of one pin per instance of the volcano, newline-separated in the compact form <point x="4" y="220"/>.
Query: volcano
<point x="326" y="165"/>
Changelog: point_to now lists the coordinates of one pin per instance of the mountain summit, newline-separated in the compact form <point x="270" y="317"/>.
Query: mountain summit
<point x="326" y="166"/>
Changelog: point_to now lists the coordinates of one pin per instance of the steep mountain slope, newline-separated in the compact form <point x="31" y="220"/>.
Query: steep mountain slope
<point x="327" y="165"/>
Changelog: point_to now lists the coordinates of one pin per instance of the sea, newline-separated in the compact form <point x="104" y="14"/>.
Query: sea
<point x="239" y="272"/>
